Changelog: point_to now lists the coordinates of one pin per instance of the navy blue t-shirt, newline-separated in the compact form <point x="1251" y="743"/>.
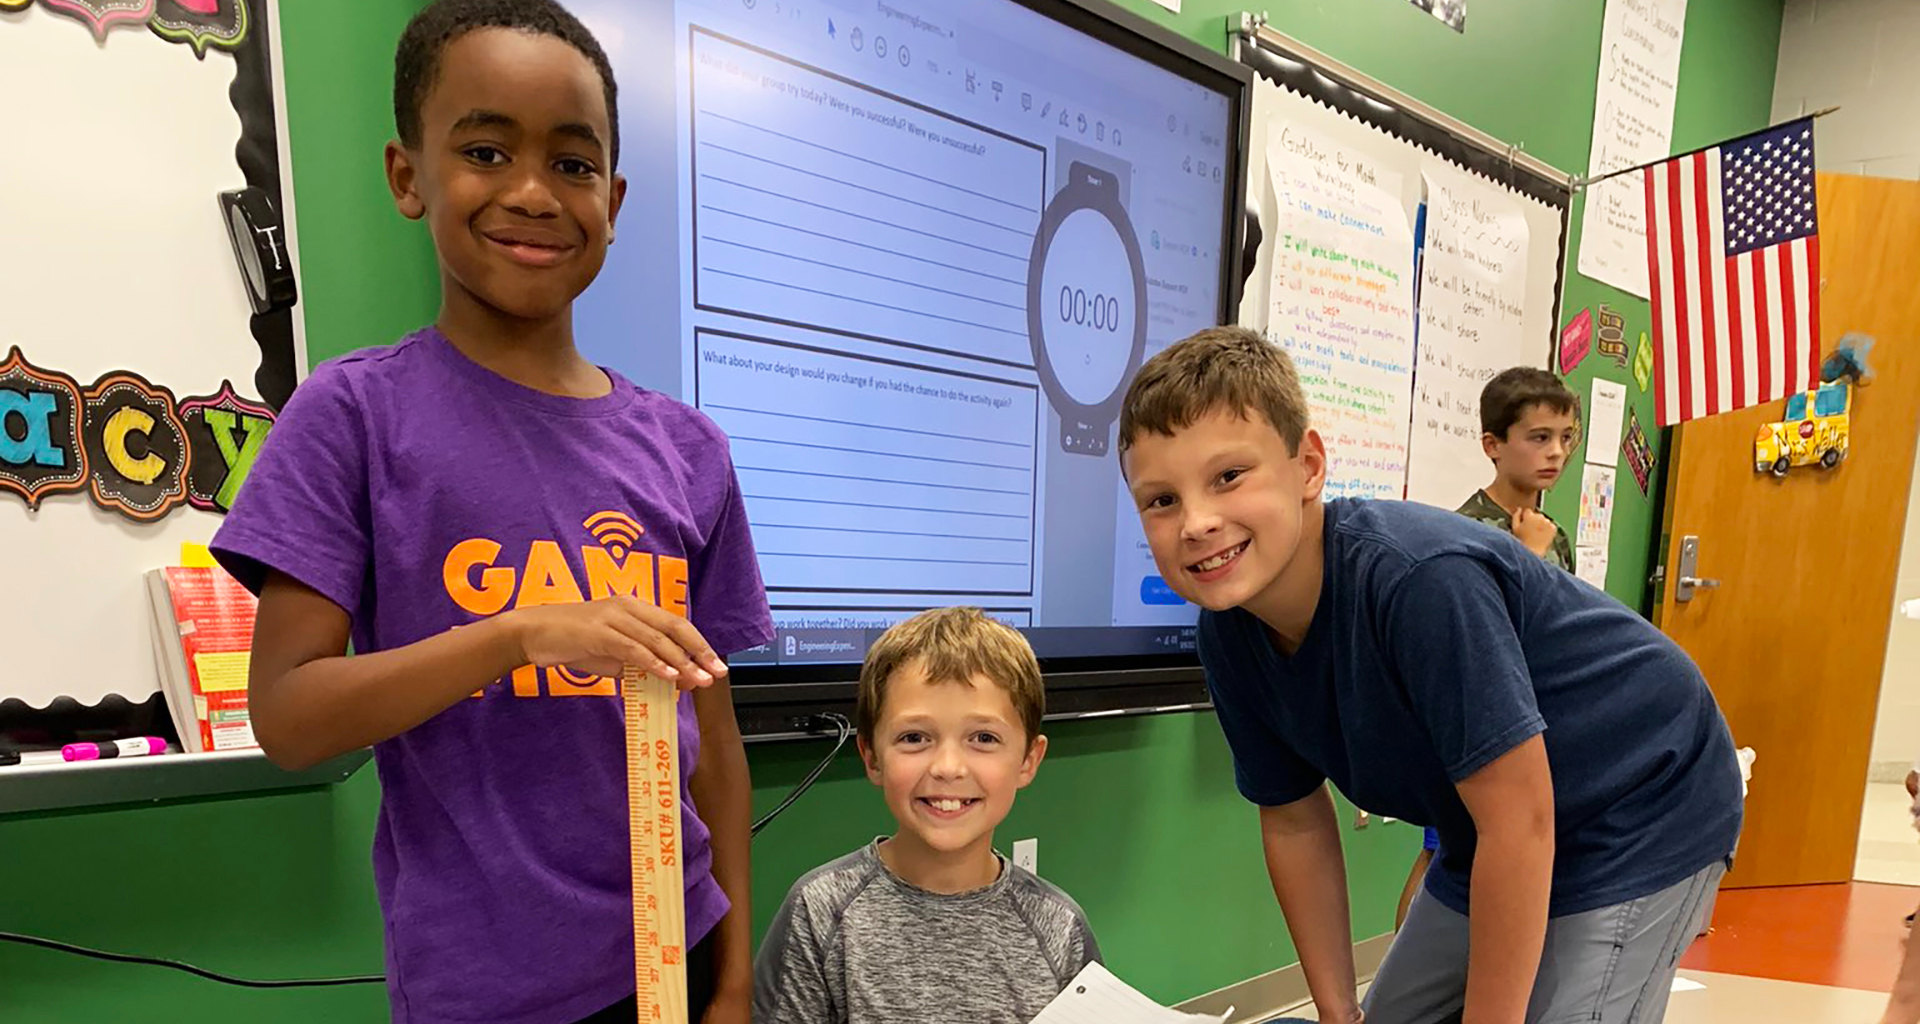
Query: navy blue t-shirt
<point x="1440" y="644"/>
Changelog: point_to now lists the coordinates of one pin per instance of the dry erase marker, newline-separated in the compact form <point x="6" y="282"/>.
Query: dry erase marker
<point x="137" y="747"/>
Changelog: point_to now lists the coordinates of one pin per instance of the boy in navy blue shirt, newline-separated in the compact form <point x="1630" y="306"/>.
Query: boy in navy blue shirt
<point x="1579" y="773"/>
<point x="1529" y="423"/>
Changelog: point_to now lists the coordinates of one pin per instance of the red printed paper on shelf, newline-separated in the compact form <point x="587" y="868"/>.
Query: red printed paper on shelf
<point x="214" y="614"/>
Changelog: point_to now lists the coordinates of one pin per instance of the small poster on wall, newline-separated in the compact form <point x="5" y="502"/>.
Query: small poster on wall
<point x="1606" y="412"/>
<point x="1638" y="453"/>
<point x="1576" y="340"/>
<point x="1643" y="364"/>
<point x="1596" y="506"/>
<point x="1590" y="564"/>
<point x="1612" y="334"/>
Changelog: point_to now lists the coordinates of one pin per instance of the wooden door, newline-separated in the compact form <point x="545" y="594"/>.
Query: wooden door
<point x="1794" y="639"/>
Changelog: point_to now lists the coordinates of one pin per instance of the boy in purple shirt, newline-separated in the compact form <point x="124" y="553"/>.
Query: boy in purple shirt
<point x="499" y="526"/>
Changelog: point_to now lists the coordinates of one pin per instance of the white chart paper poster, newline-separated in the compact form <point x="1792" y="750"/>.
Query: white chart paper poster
<point x="1632" y="124"/>
<point x="1473" y="291"/>
<point x="1341" y="303"/>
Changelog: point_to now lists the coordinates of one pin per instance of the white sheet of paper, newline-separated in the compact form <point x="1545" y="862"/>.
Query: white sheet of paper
<point x="1632" y="124"/>
<point x="1687" y="985"/>
<point x="1095" y="996"/>
<point x="1341" y="304"/>
<point x="1590" y="564"/>
<point x="1473" y="298"/>
<point x="1606" y="418"/>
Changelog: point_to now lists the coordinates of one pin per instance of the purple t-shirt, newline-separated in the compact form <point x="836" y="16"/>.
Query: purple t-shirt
<point x="420" y="491"/>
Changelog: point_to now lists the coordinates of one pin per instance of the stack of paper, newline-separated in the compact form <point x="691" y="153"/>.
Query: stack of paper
<point x="1097" y="997"/>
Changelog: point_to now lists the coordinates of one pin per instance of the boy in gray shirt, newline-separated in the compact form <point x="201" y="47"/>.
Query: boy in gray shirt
<point x="930" y="925"/>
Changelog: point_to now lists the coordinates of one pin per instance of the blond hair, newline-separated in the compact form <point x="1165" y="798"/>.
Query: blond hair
<point x="1220" y="368"/>
<point x="952" y="645"/>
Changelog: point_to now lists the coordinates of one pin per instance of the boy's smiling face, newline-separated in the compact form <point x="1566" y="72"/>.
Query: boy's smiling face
<point x="949" y="757"/>
<point x="1222" y="502"/>
<point x="513" y="174"/>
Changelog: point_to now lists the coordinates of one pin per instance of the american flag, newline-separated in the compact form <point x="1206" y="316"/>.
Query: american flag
<point x="1733" y="251"/>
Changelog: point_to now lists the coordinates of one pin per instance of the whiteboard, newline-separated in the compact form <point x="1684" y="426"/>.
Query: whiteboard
<point x="116" y="256"/>
<point x="1444" y="460"/>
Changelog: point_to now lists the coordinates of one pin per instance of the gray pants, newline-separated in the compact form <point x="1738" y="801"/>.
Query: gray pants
<point x="1613" y="965"/>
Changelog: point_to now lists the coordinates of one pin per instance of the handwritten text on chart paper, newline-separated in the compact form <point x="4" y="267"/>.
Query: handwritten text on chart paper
<point x="1341" y="303"/>
<point x="1472" y="302"/>
<point x="1632" y="124"/>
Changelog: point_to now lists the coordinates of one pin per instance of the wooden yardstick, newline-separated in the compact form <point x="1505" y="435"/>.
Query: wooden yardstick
<point x="653" y="818"/>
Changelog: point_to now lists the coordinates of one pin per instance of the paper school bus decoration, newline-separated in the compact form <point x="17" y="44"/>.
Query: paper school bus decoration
<point x="126" y="441"/>
<point x="1818" y="427"/>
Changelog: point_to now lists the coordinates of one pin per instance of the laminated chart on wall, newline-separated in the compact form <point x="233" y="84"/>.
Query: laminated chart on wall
<point x="138" y="378"/>
<point x="1342" y="172"/>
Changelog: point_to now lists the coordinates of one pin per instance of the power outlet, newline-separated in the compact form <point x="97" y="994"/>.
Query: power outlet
<point x="1026" y="854"/>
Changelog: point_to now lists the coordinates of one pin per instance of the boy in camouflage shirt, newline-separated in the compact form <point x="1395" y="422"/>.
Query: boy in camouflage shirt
<point x="1530" y="424"/>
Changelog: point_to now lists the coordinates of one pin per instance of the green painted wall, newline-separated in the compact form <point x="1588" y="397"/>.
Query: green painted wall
<point x="1137" y="818"/>
<point x="367" y="275"/>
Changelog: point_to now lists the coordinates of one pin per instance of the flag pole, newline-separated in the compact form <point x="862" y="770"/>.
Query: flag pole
<point x="1581" y="184"/>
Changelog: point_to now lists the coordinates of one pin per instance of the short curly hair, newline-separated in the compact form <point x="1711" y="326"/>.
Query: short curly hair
<point x="416" y="62"/>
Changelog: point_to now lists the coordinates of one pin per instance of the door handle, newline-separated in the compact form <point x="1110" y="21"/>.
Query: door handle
<point x="1686" y="582"/>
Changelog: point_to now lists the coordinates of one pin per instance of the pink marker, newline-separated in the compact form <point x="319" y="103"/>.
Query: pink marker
<point x="139" y="746"/>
